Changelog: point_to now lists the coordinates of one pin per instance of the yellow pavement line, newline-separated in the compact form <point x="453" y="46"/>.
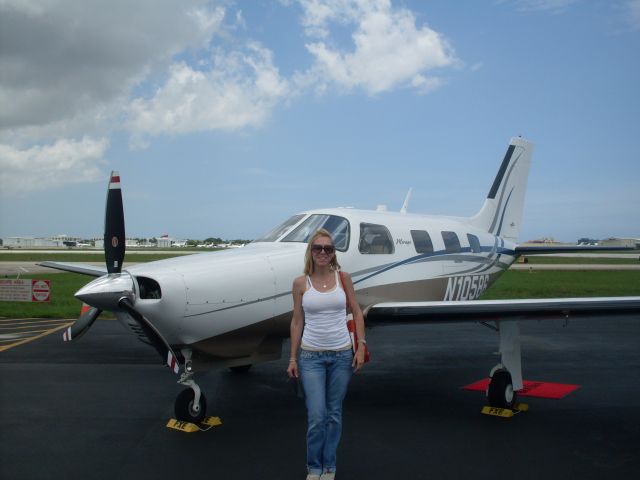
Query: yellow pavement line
<point x="9" y="340"/>
<point x="26" y="340"/>
<point x="34" y="331"/>
<point x="31" y="320"/>
<point x="47" y="324"/>
<point x="8" y="320"/>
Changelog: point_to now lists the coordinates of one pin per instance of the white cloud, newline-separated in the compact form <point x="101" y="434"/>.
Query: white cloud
<point x="554" y="6"/>
<point x="391" y="51"/>
<point x="74" y="70"/>
<point x="68" y="69"/>
<point x="238" y="90"/>
<point x="633" y="13"/>
<point x="66" y="65"/>
<point x="46" y="166"/>
<point x="318" y="14"/>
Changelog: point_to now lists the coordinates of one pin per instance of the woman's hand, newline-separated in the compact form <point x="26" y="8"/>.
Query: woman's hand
<point x="292" y="370"/>
<point x="358" y="358"/>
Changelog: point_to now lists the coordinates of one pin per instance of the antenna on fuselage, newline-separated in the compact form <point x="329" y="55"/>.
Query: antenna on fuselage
<point x="405" y="205"/>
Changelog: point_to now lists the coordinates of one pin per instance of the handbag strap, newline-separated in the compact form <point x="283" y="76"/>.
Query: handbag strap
<point x="346" y="292"/>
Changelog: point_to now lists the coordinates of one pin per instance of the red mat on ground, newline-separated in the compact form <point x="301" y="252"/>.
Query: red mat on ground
<point x="532" y="389"/>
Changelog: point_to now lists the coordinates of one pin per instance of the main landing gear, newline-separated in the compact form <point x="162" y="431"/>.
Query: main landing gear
<point x="506" y="377"/>
<point x="500" y="392"/>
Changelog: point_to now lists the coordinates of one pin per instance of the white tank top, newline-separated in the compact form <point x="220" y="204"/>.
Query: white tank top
<point x="325" y="313"/>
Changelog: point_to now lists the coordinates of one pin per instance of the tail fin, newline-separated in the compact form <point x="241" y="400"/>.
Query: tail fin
<point x="501" y="213"/>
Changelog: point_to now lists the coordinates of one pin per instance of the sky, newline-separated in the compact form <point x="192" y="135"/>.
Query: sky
<point x="226" y="117"/>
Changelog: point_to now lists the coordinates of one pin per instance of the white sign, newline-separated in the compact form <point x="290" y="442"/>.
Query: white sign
<point x="25" y="290"/>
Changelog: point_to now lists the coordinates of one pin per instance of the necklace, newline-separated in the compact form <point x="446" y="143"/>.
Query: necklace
<point x="324" y="283"/>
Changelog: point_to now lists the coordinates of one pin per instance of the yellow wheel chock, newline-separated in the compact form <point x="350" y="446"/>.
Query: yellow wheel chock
<point x="188" y="427"/>
<point x="505" y="412"/>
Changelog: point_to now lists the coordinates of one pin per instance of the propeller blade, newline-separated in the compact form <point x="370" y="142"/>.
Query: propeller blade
<point x="88" y="315"/>
<point x="114" y="238"/>
<point x="154" y="336"/>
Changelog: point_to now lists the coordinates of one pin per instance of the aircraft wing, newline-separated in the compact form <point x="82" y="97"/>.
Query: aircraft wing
<point x="490" y="310"/>
<point x="92" y="270"/>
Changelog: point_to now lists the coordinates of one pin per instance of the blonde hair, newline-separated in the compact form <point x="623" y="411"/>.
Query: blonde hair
<point x="308" y="257"/>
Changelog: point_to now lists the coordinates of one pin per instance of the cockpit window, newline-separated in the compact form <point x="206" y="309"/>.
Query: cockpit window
<point x="280" y="230"/>
<point x="337" y="226"/>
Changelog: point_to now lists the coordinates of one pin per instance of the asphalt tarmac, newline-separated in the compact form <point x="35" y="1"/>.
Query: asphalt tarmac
<point x="98" y="409"/>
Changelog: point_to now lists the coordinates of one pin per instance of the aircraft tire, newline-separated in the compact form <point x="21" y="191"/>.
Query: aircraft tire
<point x="500" y="392"/>
<point x="183" y="407"/>
<point x="241" y="368"/>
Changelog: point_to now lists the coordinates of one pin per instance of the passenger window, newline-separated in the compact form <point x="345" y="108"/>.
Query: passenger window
<point x="375" y="239"/>
<point x="422" y="241"/>
<point x="474" y="243"/>
<point x="451" y="242"/>
<point x="338" y="227"/>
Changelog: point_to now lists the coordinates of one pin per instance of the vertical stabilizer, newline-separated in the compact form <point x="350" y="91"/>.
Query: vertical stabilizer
<point x="501" y="213"/>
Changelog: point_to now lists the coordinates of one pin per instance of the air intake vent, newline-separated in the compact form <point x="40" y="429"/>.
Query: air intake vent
<point x="149" y="288"/>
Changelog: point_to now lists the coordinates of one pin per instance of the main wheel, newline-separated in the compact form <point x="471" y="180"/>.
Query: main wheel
<point x="184" y="407"/>
<point x="500" y="391"/>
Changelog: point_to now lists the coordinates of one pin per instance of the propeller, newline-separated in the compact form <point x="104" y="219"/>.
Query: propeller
<point x="157" y="340"/>
<point x="88" y="315"/>
<point x="114" y="239"/>
<point x="114" y="291"/>
<point x="114" y="246"/>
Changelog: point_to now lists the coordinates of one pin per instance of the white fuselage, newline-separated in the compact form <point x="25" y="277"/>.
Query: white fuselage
<point x="212" y="294"/>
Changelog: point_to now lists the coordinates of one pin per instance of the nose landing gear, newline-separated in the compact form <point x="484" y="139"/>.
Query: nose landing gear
<point x="190" y="405"/>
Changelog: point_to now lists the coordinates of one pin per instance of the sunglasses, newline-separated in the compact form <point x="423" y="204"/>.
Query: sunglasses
<point x="328" y="249"/>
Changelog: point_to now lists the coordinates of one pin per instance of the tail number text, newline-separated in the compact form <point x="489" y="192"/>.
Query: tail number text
<point x="467" y="287"/>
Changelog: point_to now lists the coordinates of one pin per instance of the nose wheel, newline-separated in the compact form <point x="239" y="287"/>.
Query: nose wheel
<point x="191" y="405"/>
<point x="187" y="409"/>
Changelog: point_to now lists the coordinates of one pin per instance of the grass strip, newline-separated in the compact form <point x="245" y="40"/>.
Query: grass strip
<point x="564" y="283"/>
<point x="540" y="260"/>
<point x="62" y="305"/>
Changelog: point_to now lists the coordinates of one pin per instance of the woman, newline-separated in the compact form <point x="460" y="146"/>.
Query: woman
<point x="326" y="357"/>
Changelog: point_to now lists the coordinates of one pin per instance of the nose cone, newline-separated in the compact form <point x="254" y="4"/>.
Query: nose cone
<point x="105" y="292"/>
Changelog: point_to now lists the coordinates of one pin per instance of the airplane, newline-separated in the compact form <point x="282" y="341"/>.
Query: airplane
<point x="233" y="308"/>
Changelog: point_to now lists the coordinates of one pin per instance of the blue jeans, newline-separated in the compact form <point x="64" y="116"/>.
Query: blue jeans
<point x="325" y="377"/>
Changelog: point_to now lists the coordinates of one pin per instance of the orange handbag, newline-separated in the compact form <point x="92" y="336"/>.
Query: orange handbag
<point x="351" y="324"/>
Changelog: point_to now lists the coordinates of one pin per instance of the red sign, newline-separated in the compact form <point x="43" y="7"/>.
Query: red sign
<point x="40" y="290"/>
<point x="25" y="290"/>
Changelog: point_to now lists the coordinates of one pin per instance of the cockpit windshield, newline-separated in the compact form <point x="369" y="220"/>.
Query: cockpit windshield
<point x="280" y="230"/>
<point x="337" y="226"/>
